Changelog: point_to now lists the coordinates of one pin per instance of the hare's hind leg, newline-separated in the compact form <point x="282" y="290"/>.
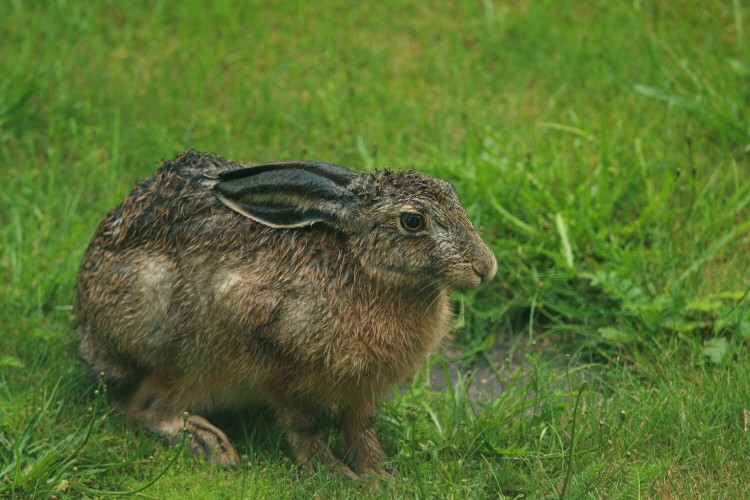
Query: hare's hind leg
<point x="155" y="405"/>
<point x="204" y="439"/>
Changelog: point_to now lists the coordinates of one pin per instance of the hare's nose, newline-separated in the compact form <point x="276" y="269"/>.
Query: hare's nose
<point x="486" y="267"/>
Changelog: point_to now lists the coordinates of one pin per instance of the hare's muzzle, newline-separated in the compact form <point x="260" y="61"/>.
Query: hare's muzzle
<point x="485" y="265"/>
<point x="479" y="268"/>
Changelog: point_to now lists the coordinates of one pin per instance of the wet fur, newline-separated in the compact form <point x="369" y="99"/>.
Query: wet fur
<point x="185" y="305"/>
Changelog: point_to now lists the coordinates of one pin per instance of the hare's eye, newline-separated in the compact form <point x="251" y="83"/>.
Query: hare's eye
<point x="412" y="222"/>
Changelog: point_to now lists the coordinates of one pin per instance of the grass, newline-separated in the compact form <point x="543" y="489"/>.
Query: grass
<point x="602" y="148"/>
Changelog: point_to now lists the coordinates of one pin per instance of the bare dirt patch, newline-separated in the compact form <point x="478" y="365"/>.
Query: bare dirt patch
<point x="492" y="371"/>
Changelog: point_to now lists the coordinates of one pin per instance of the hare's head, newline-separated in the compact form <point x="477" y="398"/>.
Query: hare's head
<point x="406" y="229"/>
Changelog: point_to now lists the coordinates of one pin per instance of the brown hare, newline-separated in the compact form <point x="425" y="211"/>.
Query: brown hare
<point x="301" y="285"/>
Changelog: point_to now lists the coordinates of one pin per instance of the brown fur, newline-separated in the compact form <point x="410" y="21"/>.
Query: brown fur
<point x="186" y="305"/>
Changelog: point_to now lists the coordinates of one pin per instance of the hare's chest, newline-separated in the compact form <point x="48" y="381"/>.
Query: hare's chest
<point x="387" y="336"/>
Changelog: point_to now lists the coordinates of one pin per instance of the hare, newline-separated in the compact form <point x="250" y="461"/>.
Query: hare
<point x="302" y="285"/>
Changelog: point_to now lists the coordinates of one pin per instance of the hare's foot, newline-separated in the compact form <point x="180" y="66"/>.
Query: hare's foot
<point x="156" y="405"/>
<point x="306" y="439"/>
<point x="310" y="451"/>
<point x="204" y="439"/>
<point x="364" y="452"/>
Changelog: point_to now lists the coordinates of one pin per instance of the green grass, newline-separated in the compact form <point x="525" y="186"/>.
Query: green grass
<point x="602" y="148"/>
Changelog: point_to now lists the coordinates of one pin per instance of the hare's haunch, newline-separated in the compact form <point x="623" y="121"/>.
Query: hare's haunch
<point x="301" y="285"/>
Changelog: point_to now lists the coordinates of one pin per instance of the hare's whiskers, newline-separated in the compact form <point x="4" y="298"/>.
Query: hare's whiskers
<point x="438" y="293"/>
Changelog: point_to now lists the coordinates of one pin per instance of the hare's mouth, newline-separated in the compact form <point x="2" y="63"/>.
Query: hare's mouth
<point x="463" y="276"/>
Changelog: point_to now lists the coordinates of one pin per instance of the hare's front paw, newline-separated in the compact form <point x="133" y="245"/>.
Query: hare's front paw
<point x="311" y="453"/>
<point x="305" y="439"/>
<point x="364" y="452"/>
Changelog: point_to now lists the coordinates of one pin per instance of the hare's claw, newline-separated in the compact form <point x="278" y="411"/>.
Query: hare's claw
<point x="338" y="468"/>
<point x="376" y="471"/>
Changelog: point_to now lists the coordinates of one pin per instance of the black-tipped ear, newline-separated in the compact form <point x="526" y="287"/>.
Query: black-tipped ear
<point x="338" y="174"/>
<point x="288" y="195"/>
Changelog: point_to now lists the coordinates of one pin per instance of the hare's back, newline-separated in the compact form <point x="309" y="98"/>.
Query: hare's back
<point x="174" y="209"/>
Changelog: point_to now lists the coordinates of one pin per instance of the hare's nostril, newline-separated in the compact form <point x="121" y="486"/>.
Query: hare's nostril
<point x="485" y="269"/>
<point x="479" y="271"/>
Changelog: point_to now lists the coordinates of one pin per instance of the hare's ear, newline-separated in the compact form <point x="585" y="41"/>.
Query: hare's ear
<point x="288" y="195"/>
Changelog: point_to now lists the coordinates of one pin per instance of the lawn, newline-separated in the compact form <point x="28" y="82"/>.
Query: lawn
<point x="601" y="148"/>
